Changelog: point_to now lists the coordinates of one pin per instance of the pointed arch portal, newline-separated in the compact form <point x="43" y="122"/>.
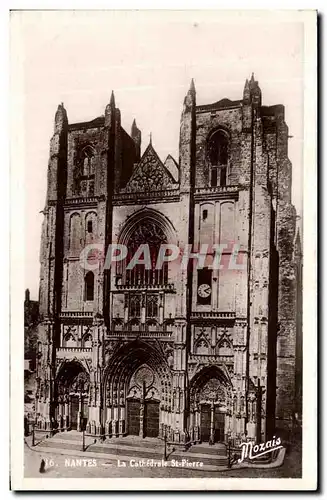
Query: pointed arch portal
<point x="209" y="401"/>
<point x="72" y="386"/>
<point x="138" y="388"/>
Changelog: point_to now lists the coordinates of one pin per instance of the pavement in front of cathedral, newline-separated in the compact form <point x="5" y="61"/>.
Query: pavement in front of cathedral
<point x="135" y="452"/>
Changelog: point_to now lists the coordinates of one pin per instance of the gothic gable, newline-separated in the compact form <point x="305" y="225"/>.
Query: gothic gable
<point x="150" y="174"/>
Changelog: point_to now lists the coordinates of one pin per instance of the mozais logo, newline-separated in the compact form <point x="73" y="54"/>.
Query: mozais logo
<point x="251" y="450"/>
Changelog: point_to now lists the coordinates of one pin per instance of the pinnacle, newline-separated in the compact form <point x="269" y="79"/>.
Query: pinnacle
<point x="112" y="99"/>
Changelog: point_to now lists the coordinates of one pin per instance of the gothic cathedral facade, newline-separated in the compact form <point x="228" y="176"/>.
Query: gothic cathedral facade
<point x="190" y="354"/>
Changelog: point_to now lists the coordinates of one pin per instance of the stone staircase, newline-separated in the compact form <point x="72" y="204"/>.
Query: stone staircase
<point x="134" y="448"/>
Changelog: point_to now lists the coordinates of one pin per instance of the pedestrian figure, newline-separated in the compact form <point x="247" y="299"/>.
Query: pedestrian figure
<point x="26" y="426"/>
<point x="42" y="466"/>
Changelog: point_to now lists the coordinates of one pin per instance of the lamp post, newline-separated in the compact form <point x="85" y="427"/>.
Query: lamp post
<point x="83" y="439"/>
<point x="165" y="444"/>
<point x="81" y="387"/>
<point x="33" y="434"/>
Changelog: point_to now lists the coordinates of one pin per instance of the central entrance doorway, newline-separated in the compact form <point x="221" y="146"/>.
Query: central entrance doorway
<point x="137" y="380"/>
<point x="150" y="418"/>
<point x="208" y="413"/>
<point x="74" y="409"/>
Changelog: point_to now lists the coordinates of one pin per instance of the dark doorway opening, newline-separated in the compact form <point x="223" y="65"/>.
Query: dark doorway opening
<point x="205" y="422"/>
<point x="74" y="411"/>
<point x="151" y="419"/>
<point x="133" y="416"/>
<point x="219" y="425"/>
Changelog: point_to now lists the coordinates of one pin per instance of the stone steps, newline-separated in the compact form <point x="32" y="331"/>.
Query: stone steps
<point x="216" y="449"/>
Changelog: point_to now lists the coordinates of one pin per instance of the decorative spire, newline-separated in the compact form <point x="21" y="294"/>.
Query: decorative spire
<point x="134" y="130"/>
<point x="189" y="100"/>
<point x="112" y="99"/>
<point x="60" y="118"/>
<point x="252" y="92"/>
<point x="150" y="138"/>
<point x="136" y="136"/>
<point x="246" y="92"/>
<point x="110" y="111"/>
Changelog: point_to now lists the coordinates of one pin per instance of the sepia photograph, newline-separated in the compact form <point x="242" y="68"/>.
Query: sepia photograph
<point x="161" y="158"/>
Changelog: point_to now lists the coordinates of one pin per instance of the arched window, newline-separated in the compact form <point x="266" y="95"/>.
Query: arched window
<point x="75" y="233"/>
<point x="89" y="286"/>
<point x="84" y="173"/>
<point x="134" y="325"/>
<point x="149" y="233"/>
<point x="152" y="326"/>
<point x="88" y="161"/>
<point x="135" y="306"/>
<point x="152" y="306"/>
<point x="218" y="158"/>
<point x="69" y="340"/>
<point x="87" y="341"/>
<point x="90" y="227"/>
<point x="118" y="325"/>
<point x="201" y="347"/>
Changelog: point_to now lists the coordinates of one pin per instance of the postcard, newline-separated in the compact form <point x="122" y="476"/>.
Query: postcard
<point x="163" y="322"/>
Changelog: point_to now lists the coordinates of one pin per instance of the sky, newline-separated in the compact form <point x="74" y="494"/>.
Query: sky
<point x="148" y="58"/>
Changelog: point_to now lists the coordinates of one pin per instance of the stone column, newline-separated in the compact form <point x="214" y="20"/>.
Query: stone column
<point x="79" y="415"/>
<point x="142" y="408"/>
<point x="212" y="424"/>
<point x="122" y="418"/>
<point x="143" y="309"/>
<point x="66" y="412"/>
<point x="141" y="433"/>
<point x="161" y="308"/>
<point x="60" y="417"/>
<point x="115" y="422"/>
<point x="251" y="424"/>
<point x="126" y="308"/>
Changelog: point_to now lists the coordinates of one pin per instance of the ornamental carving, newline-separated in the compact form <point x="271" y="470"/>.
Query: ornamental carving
<point x="150" y="174"/>
<point x="213" y="391"/>
<point x="202" y="347"/>
<point x="80" y="383"/>
<point x="144" y="375"/>
<point x="110" y="347"/>
<point x="148" y="232"/>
